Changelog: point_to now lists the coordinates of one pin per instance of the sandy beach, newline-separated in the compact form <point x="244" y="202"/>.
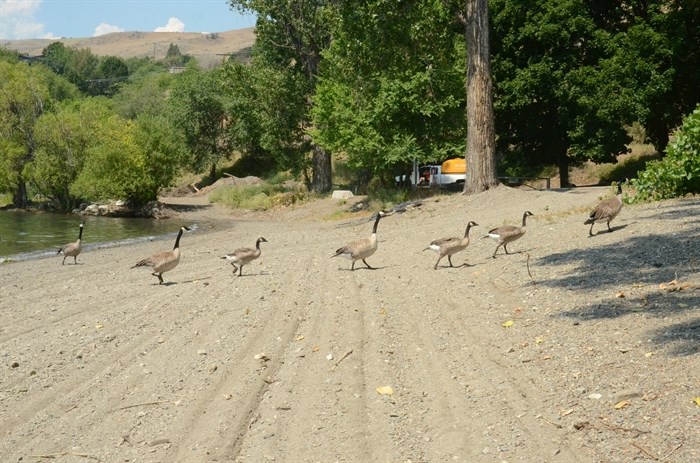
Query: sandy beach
<point x="570" y="349"/>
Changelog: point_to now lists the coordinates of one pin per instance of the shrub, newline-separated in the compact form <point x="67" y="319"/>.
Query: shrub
<point x="257" y="197"/>
<point x="678" y="173"/>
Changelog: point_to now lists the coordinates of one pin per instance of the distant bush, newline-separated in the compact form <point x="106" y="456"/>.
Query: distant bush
<point x="678" y="173"/>
<point x="257" y="197"/>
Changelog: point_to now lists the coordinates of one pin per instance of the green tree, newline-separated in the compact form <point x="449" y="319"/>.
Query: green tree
<point x="145" y="93"/>
<point x="111" y="72"/>
<point x="678" y="173"/>
<point x="197" y="110"/>
<point x="174" y="57"/>
<point x="10" y="56"/>
<point x="257" y="124"/>
<point x="131" y="160"/>
<point x="290" y="37"/>
<point x="63" y="139"/>
<point x="570" y="74"/>
<point x="26" y="93"/>
<point x="392" y="86"/>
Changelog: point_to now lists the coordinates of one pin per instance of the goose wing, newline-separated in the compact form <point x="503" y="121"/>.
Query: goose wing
<point x="353" y="247"/>
<point x="505" y="230"/>
<point x="239" y="254"/>
<point x="154" y="259"/>
<point x="603" y="210"/>
<point x="444" y="241"/>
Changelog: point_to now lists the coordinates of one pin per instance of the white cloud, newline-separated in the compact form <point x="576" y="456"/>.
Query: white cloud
<point x="105" y="28"/>
<point x="19" y="7"/>
<point x="174" y="25"/>
<point x="17" y="20"/>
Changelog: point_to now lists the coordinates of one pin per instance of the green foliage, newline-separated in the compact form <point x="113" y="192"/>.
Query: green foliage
<point x="257" y="197"/>
<point x="144" y="94"/>
<point x="174" y="57"/>
<point x="290" y="40"/>
<point x="63" y="139"/>
<point x="130" y="160"/>
<point x="26" y="93"/>
<point x="393" y="86"/>
<point x="115" y="166"/>
<point x="678" y="173"/>
<point x="9" y="56"/>
<point x="12" y="160"/>
<point x="197" y="109"/>
<point x="259" y="127"/>
<point x="570" y="74"/>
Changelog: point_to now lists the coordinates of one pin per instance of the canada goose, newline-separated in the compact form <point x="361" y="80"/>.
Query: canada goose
<point x="448" y="246"/>
<point x="606" y="211"/>
<point x="507" y="234"/>
<point x="72" y="249"/>
<point x="242" y="256"/>
<point x="361" y="249"/>
<point x="163" y="261"/>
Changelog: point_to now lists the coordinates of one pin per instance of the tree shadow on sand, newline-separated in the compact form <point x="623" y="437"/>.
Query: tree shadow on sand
<point x="642" y="267"/>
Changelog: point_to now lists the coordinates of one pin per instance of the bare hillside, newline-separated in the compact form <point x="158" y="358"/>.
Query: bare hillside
<point x="206" y="48"/>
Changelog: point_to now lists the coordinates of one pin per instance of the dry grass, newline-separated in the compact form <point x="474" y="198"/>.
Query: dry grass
<point x="208" y="49"/>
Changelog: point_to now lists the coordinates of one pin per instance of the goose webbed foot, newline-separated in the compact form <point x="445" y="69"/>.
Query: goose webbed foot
<point x="368" y="266"/>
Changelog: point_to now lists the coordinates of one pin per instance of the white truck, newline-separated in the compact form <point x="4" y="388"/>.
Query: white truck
<point x="450" y="173"/>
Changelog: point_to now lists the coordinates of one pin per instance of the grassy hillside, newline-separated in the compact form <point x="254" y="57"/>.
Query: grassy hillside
<point x="208" y="48"/>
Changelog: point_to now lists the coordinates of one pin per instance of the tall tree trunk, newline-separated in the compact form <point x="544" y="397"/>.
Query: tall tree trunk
<point x="481" y="139"/>
<point x="563" y="170"/>
<point x="322" y="181"/>
<point x="19" y="197"/>
<point x="212" y="172"/>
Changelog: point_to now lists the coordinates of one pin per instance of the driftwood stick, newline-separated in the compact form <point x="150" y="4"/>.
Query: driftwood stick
<point x="672" y="452"/>
<point x="342" y="358"/>
<point x="142" y="404"/>
<point x="645" y="451"/>
<point x="63" y="454"/>
<point x="551" y="422"/>
<point x="527" y="263"/>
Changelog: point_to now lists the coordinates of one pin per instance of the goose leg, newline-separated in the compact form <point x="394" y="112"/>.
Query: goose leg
<point x="609" y="229"/>
<point x="590" y="231"/>
<point x="449" y="258"/>
<point x="436" y="263"/>
<point x="494" y="252"/>
<point x="75" y="260"/>
<point x="160" y="278"/>
<point x="367" y="264"/>
<point x="235" y="269"/>
<point x="64" y="261"/>
<point x="505" y="246"/>
<point x="240" y="271"/>
<point x="353" y="266"/>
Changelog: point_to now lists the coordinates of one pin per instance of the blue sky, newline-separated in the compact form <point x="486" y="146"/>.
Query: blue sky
<point x="30" y="19"/>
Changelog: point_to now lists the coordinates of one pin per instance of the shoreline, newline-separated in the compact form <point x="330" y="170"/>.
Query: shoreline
<point x="195" y="213"/>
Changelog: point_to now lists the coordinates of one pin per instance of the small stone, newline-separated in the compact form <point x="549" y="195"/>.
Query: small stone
<point x="201" y="352"/>
<point x="14" y="364"/>
<point x="627" y="394"/>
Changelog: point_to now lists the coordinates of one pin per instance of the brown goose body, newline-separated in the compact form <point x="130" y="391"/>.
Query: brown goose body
<point x="449" y="246"/>
<point x="605" y="211"/>
<point x="508" y="233"/>
<point x="363" y="248"/>
<point x="73" y="249"/>
<point x="163" y="261"/>
<point x="242" y="256"/>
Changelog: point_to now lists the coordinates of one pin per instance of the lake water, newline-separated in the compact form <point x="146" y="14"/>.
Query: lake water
<point x="29" y="235"/>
